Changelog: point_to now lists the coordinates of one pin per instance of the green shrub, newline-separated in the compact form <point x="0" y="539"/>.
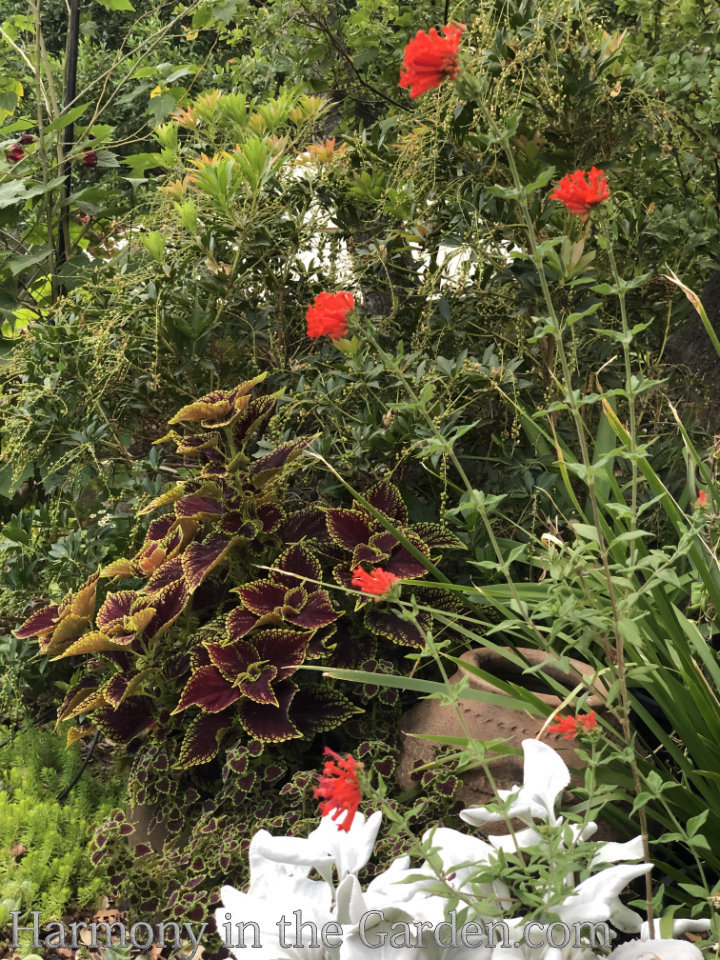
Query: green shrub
<point x="44" y="858"/>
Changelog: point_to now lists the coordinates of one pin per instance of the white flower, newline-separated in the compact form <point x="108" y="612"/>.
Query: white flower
<point x="545" y="776"/>
<point x="596" y="899"/>
<point x="312" y="898"/>
<point x="656" y="950"/>
<point x="326" y="847"/>
<point x="679" y="927"/>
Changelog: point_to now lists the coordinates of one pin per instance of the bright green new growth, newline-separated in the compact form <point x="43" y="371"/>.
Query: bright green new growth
<point x="44" y="862"/>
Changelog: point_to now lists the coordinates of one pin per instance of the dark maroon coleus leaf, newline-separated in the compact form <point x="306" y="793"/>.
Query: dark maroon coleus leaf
<point x="168" y="573"/>
<point x="262" y="596"/>
<point x="202" y="739"/>
<point x="269" y="723"/>
<point x="350" y="650"/>
<point x="435" y="535"/>
<point x="403" y="632"/>
<point x="208" y="689"/>
<point x="309" y="523"/>
<point x="160" y="527"/>
<point x="316" y="612"/>
<point x="242" y="666"/>
<point x="134" y="716"/>
<point x="253" y="418"/>
<point x="285" y="649"/>
<point x="348" y="528"/>
<point x="270" y="516"/>
<point x="386" y="498"/>
<point x="404" y="565"/>
<point x="321" y="642"/>
<point x="115" y="690"/>
<point x="168" y="603"/>
<point x="237" y="524"/>
<point x="294" y="564"/>
<point x="111" y="615"/>
<point x="240" y="622"/>
<point x="317" y="709"/>
<point x="279" y="457"/>
<point x="199" y="508"/>
<point x="40" y="622"/>
<point x="200" y="558"/>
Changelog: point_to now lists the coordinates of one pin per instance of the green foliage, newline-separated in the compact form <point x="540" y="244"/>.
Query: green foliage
<point x="199" y="843"/>
<point x="44" y="842"/>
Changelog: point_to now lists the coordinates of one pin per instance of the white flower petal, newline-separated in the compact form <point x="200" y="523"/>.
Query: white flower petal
<point x="596" y="898"/>
<point x="614" y="852"/>
<point x="656" y="950"/>
<point x="545" y="776"/>
<point x="681" y="925"/>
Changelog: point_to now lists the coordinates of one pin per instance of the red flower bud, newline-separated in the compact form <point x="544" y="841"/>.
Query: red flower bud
<point x="15" y="153"/>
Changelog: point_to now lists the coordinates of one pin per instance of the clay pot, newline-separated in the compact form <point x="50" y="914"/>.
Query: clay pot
<point x="487" y="721"/>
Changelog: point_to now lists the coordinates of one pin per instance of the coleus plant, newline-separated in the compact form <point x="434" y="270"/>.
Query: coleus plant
<point x="193" y="646"/>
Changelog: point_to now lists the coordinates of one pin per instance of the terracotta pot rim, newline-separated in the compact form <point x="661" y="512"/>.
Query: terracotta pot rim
<point x="491" y="661"/>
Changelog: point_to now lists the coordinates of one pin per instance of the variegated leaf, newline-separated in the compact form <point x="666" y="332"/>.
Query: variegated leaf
<point x="436" y="535"/>
<point x="133" y="717"/>
<point x="200" y="558"/>
<point x="317" y="612"/>
<point x="386" y="498"/>
<point x="318" y="709"/>
<point x="38" y="623"/>
<point x="348" y="528"/>
<point x="209" y="690"/>
<point x="268" y="723"/>
<point x="202" y="739"/>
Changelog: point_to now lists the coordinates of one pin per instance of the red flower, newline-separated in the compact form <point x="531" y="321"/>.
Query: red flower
<point x="339" y="788"/>
<point x="379" y="581"/>
<point x="702" y="499"/>
<point x="430" y="58"/>
<point x="581" y="191"/>
<point x="90" y="158"/>
<point x="26" y="138"/>
<point x="328" y="314"/>
<point x="571" y="726"/>
<point x="15" y="153"/>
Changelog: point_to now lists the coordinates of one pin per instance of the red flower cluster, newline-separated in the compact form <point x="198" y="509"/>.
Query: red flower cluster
<point x="702" y="499"/>
<point x="430" y="59"/>
<point x="571" y="726"/>
<point x="328" y="314"/>
<point x="581" y="191"/>
<point x="378" y="581"/>
<point x="339" y="788"/>
<point x="15" y="153"/>
<point x="90" y="158"/>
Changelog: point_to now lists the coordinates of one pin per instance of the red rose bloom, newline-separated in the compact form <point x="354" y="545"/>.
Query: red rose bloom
<point x="571" y="726"/>
<point x="339" y="788"/>
<point x="328" y="314"/>
<point x="90" y="158"/>
<point x="581" y="191"/>
<point x="379" y="581"/>
<point x="15" y="153"/>
<point x="430" y="58"/>
<point x="702" y="499"/>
